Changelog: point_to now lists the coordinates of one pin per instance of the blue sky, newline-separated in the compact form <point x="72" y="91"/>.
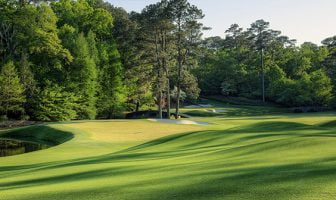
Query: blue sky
<point x="304" y="20"/>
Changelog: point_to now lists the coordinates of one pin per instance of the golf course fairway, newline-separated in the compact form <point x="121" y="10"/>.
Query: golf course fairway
<point x="266" y="156"/>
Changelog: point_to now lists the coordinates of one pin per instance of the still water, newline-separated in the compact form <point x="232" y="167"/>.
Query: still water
<point x="14" y="147"/>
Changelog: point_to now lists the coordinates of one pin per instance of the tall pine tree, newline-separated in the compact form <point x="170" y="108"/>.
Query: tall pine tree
<point x="11" y="91"/>
<point x="111" y="95"/>
<point x="84" y="75"/>
<point x="29" y="84"/>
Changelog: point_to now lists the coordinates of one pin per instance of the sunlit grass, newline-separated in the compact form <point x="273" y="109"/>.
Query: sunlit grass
<point x="268" y="156"/>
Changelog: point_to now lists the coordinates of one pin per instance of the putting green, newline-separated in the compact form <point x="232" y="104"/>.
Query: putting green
<point x="278" y="156"/>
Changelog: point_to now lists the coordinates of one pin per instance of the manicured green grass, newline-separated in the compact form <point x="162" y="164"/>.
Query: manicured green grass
<point x="266" y="156"/>
<point x="235" y="110"/>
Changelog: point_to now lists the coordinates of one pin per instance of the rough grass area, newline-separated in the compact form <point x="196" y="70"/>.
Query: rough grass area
<point x="238" y="156"/>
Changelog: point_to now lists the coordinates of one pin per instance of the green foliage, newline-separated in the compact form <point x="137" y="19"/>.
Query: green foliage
<point x="101" y="22"/>
<point x="190" y="85"/>
<point x="83" y="17"/>
<point x="106" y="61"/>
<point x="139" y="90"/>
<point x="55" y="104"/>
<point x="29" y="84"/>
<point x="11" y="91"/>
<point x="84" y="78"/>
<point x="313" y="89"/>
<point x="183" y="95"/>
<point x="293" y="76"/>
<point x="130" y="36"/>
<point x="92" y="47"/>
<point x="320" y="87"/>
<point x="46" y="41"/>
<point x="111" y="94"/>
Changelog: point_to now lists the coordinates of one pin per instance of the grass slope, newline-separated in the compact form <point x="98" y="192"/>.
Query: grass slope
<point x="40" y="134"/>
<point x="270" y="156"/>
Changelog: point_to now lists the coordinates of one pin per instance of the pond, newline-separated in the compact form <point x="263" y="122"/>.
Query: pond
<point x="10" y="147"/>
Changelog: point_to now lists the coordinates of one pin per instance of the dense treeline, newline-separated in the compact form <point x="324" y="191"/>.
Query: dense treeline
<point x="86" y="59"/>
<point x="60" y="61"/>
<point x="260" y="63"/>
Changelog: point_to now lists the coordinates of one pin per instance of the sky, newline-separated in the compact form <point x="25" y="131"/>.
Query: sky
<point x="304" y="20"/>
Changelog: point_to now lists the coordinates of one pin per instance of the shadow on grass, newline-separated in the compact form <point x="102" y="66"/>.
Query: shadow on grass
<point x="330" y="124"/>
<point x="78" y="176"/>
<point x="42" y="134"/>
<point x="222" y="165"/>
<point x="30" y="139"/>
<point x="267" y="182"/>
<point x="201" y="181"/>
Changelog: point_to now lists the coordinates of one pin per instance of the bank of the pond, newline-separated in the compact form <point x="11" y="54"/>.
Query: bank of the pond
<point x="9" y="147"/>
<point x="29" y="139"/>
<point x="42" y="134"/>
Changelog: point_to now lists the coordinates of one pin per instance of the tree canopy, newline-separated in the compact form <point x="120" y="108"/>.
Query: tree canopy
<point x="87" y="59"/>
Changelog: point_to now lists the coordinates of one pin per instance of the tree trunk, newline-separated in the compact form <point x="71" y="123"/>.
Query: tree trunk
<point x="164" y="62"/>
<point x="160" y="104"/>
<point x="137" y="106"/>
<point x="159" y="88"/>
<point x="178" y="96"/>
<point x="262" y="75"/>
<point x="168" y="96"/>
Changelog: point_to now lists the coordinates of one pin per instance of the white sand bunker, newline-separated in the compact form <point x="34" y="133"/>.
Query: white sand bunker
<point x="185" y="122"/>
<point x="216" y="111"/>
